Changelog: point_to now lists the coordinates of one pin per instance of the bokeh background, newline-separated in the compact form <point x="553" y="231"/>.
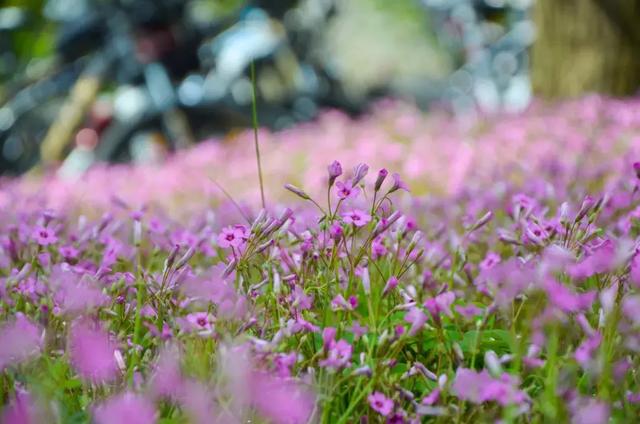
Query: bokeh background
<point x="86" y="82"/>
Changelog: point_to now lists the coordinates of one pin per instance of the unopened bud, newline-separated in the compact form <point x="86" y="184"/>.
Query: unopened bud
<point x="168" y="263"/>
<point x="481" y="222"/>
<point x="335" y="170"/>
<point x="382" y="174"/>
<point x="298" y="192"/>
<point x="359" y="172"/>
<point x="587" y="203"/>
<point x="185" y="258"/>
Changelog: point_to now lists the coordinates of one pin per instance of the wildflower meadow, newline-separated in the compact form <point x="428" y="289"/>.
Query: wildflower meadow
<point x="404" y="268"/>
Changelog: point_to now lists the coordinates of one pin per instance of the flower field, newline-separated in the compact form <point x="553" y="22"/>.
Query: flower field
<point x="407" y="268"/>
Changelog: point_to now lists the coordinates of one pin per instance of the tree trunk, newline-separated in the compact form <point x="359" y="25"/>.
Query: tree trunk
<point x="586" y="46"/>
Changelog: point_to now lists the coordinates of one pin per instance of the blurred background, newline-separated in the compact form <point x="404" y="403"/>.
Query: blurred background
<point x="86" y="81"/>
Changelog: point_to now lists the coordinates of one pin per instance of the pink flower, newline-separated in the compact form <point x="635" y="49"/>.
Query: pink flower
<point x="440" y="304"/>
<point x="563" y="298"/>
<point x="75" y="292"/>
<point x="380" y="403"/>
<point x="339" y="303"/>
<point x="339" y="355"/>
<point x="584" y="352"/>
<point x="356" y="217"/>
<point x="378" y="249"/>
<point x="590" y="411"/>
<point x="328" y="337"/>
<point x="281" y="401"/>
<point x="417" y="318"/>
<point x="127" y="407"/>
<point x="44" y="236"/>
<point x="469" y="311"/>
<point x="231" y="237"/>
<point x="358" y="330"/>
<point x="480" y="387"/>
<point x="335" y="231"/>
<point x="22" y="409"/>
<point x="92" y="352"/>
<point x="489" y="261"/>
<point x="631" y="308"/>
<point x="201" y="323"/>
<point x="68" y="252"/>
<point x="19" y="340"/>
<point x="166" y="380"/>
<point x="346" y="190"/>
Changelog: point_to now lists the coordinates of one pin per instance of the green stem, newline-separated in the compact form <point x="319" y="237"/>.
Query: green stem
<point x="254" y="115"/>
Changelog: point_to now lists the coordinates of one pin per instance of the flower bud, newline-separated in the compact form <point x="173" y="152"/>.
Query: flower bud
<point x="481" y="222"/>
<point x="298" y="192"/>
<point x="335" y="170"/>
<point x="359" y="172"/>
<point x="392" y="283"/>
<point x="382" y="174"/>
<point x="168" y="263"/>
<point x="398" y="184"/>
<point x="587" y="203"/>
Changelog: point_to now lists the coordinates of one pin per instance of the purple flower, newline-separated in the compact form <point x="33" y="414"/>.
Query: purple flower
<point x="469" y="311"/>
<point x="378" y="249"/>
<point x="380" y="403"/>
<point x="68" y="252"/>
<point x="561" y="297"/>
<point x="417" y="318"/>
<point x="584" y="352"/>
<point x="440" y="304"/>
<point x="92" y="353"/>
<point x="347" y="190"/>
<point x="338" y="356"/>
<point x="281" y="401"/>
<point x="166" y="380"/>
<point x="589" y="411"/>
<point x="480" y="387"/>
<point x="44" y="236"/>
<point x="335" y="231"/>
<point x="339" y="303"/>
<point x="356" y="217"/>
<point x="489" y="261"/>
<point x="231" y="237"/>
<point x="328" y="336"/>
<point x="201" y="323"/>
<point x="19" y="341"/>
<point x="358" y="330"/>
<point x="127" y="407"/>
<point x="22" y="409"/>
<point x="300" y="299"/>
<point x="631" y="308"/>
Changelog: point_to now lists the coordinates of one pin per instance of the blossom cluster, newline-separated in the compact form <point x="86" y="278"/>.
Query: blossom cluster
<point x="509" y="294"/>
